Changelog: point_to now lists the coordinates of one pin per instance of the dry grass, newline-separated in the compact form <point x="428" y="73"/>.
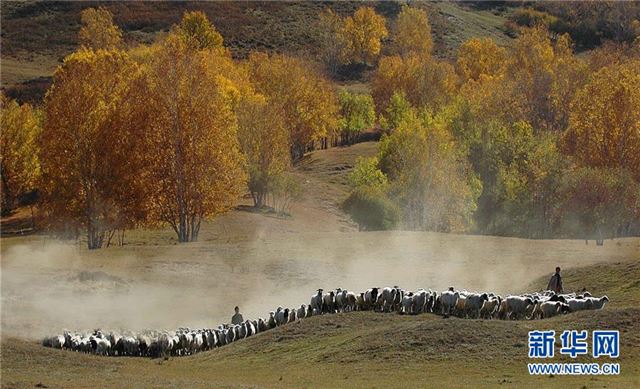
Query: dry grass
<point x="356" y="349"/>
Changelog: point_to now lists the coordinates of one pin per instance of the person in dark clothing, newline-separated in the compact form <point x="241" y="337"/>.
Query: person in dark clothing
<point x="555" y="283"/>
<point x="237" y="318"/>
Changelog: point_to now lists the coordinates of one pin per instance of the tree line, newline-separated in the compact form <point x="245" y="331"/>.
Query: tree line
<point x="529" y="140"/>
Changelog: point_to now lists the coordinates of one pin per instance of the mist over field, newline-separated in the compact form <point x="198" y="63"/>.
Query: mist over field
<point x="48" y="286"/>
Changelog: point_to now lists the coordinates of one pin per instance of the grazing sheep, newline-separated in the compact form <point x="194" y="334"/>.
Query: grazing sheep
<point x="546" y="309"/>
<point x="360" y="302"/>
<point x="316" y="301"/>
<point x="448" y="300"/>
<point x="185" y="341"/>
<point x="302" y="312"/>
<point x="370" y="298"/>
<point x="388" y="297"/>
<point x="251" y="328"/>
<point x="292" y="316"/>
<point x="341" y="300"/>
<point x="407" y="303"/>
<point x="57" y="341"/>
<point x="420" y="298"/>
<point x="166" y="345"/>
<point x="598" y="303"/>
<point x="459" y="309"/>
<point x="100" y="346"/>
<point x="517" y="306"/>
<point x="490" y="307"/>
<point x="272" y="320"/>
<point x="328" y="302"/>
<point x="350" y="301"/>
<point x="474" y="303"/>
<point x="282" y="316"/>
<point x="579" y="304"/>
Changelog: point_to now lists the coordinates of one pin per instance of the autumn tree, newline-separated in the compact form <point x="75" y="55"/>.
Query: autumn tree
<point x="413" y="33"/>
<point x="307" y="101"/>
<point x="195" y="166"/>
<point x="98" y="30"/>
<point x="480" y="57"/>
<point x="368" y="203"/>
<point x="599" y="202"/>
<point x="361" y="36"/>
<point x="90" y="127"/>
<point x="545" y="76"/>
<point x="264" y="140"/>
<point x="604" y="123"/>
<point x="196" y="30"/>
<point x="396" y="111"/>
<point x="426" y="83"/>
<point x="357" y="113"/>
<point x="19" y="165"/>
<point x="331" y="44"/>
<point x="428" y="178"/>
<point x="528" y="184"/>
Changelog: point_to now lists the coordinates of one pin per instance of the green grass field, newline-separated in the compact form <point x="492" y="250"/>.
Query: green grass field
<point x="361" y="349"/>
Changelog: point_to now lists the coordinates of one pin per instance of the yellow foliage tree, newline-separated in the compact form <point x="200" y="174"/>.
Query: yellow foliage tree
<point x="428" y="177"/>
<point x="426" y="83"/>
<point x="413" y="33"/>
<point x="307" y="101"/>
<point x="604" y="124"/>
<point x="19" y="165"/>
<point x="98" y="30"/>
<point x="545" y="76"/>
<point x="480" y="57"/>
<point x="88" y="170"/>
<point x="195" y="168"/>
<point x="264" y="139"/>
<point x="329" y="26"/>
<point x="196" y="29"/>
<point x="361" y="36"/>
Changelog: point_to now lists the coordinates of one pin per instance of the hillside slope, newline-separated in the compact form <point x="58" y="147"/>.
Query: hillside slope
<point x="36" y="35"/>
<point x="360" y="349"/>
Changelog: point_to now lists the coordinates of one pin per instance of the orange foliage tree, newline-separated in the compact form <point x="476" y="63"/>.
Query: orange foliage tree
<point x="88" y="171"/>
<point x="306" y="100"/>
<point x="195" y="168"/>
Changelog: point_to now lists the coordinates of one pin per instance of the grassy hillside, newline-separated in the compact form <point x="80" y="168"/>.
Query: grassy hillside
<point x="36" y="35"/>
<point x="360" y="349"/>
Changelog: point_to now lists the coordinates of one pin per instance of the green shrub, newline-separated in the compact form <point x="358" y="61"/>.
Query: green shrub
<point x="372" y="210"/>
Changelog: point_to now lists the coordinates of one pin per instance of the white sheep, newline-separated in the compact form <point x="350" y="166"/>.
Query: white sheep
<point x="517" y="306"/>
<point x="316" y="301"/>
<point x="598" y="303"/>
<point x="407" y="303"/>
<point x="302" y="312"/>
<point x="370" y="298"/>
<point x="448" y="300"/>
<point x="474" y="303"/>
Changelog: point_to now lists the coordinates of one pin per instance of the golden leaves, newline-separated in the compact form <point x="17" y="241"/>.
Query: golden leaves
<point x="98" y="30"/>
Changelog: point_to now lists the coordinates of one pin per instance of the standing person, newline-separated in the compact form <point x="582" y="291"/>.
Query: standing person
<point x="237" y="318"/>
<point x="555" y="283"/>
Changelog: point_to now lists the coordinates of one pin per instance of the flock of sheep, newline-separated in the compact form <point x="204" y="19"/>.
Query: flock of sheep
<point x="185" y="341"/>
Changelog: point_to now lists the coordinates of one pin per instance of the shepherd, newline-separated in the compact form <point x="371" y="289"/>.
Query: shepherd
<point x="237" y="318"/>
<point x="555" y="283"/>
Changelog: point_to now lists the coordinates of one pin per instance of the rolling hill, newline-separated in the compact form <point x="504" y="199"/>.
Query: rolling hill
<point x="360" y="349"/>
<point x="37" y="35"/>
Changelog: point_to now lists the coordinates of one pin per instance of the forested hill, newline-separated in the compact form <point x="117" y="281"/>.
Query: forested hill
<point x="37" y="35"/>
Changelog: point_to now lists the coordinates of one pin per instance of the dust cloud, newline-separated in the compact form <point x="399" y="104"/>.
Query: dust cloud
<point x="48" y="286"/>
